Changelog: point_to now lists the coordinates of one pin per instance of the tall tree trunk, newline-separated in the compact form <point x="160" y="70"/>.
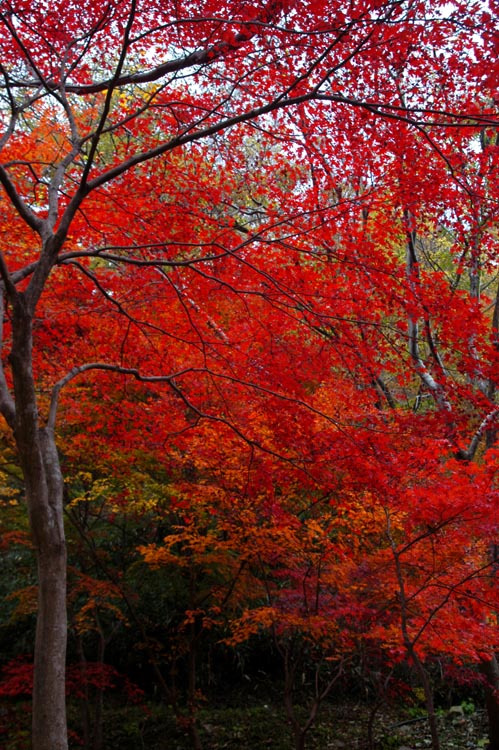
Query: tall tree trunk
<point x="430" y="704"/>
<point x="49" y="700"/>
<point x="44" y="495"/>
<point x="490" y="669"/>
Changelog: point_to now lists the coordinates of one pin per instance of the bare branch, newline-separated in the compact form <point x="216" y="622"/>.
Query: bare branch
<point x="485" y="425"/>
<point x="24" y="211"/>
<point x="7" y="406"/>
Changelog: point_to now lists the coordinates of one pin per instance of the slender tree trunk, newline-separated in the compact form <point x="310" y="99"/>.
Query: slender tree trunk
<point x="409" y="643"/>
<point x="370" y="723"/>
<point x="300" y="739"/>
<point x="299" y="732"/>
<point x="99" y="697"/>
<point x="430" y="704"/>
<point x="49" y="700"/>
<point x="85" y="701"/>
<point x="191" y="699"/>
<point x="44" y="495"/>
<point x="490" y="669"/>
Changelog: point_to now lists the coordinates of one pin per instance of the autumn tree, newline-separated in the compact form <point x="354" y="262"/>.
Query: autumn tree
<point x="101" y="103"/>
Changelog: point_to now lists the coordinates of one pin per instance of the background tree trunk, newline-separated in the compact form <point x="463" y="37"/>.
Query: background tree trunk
<point x="490" y="669"/>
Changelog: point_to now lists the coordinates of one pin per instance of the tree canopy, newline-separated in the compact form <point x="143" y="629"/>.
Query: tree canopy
<point x="250" y="306"/>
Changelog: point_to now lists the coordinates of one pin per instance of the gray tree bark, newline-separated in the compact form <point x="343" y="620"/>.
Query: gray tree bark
<point x="44" y="498"/>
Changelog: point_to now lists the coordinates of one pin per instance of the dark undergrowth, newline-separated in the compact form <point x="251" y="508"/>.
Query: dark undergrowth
<point x="259" y="726"/>
<point x="341" y="726"/>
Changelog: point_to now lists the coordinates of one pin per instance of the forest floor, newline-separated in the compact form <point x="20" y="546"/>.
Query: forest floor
<point x="264" y="727"/>
<point x="258" y="725"/>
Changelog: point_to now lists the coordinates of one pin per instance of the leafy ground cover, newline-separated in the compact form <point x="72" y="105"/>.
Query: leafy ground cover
<point x="258" y="727"/>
